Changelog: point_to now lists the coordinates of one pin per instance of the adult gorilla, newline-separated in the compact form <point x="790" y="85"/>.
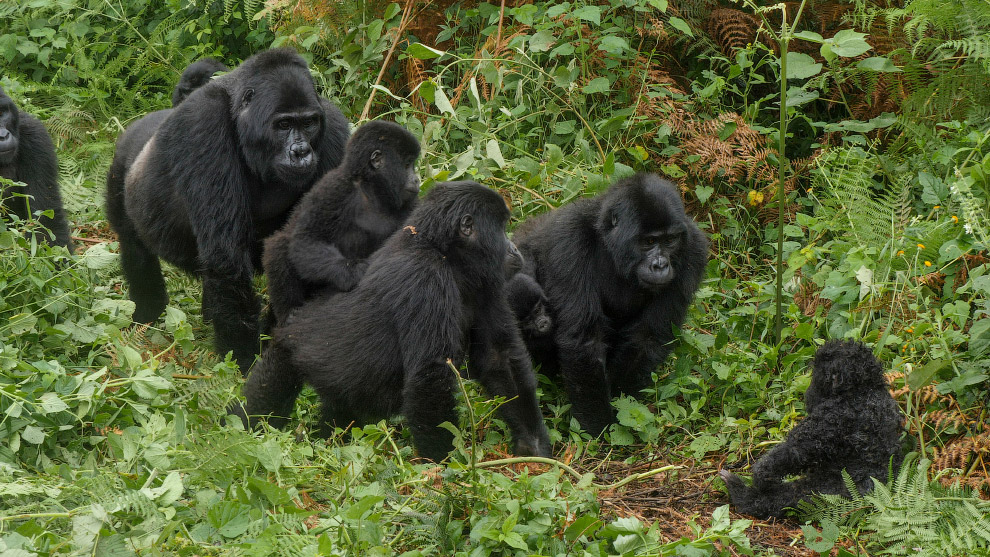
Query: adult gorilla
<point x="27" y="155"/>
<point x="203" y="185"/>
<point x="619" y="272"/>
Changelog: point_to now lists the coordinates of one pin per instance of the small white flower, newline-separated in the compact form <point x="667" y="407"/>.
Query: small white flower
<point x="968" y="228"/>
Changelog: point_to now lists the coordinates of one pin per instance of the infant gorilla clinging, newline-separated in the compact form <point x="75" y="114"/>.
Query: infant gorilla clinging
<point x="434" y="292"/>
<point x="853" y="423"/>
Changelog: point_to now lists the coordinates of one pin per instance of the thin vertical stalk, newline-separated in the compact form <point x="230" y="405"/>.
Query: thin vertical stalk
<point x="781" y="169"/>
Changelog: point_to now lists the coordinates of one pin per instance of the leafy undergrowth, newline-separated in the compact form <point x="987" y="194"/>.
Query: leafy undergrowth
<point x="113" y="438"/>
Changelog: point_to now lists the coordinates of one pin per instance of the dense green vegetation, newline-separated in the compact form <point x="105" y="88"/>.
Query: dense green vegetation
<point x="111" y="440"/>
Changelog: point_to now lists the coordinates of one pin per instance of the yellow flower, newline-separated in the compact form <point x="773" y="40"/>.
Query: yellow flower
<point x="910" y="330"/>
<point x="928" y="263"/>
<point x="937" y="207"/>
<point x="755" y="197"/>
<point x="808" y="190"/>
<point x="955" y="218"/>
<point x="921" y="246"/>
<point x="900" y="253"/>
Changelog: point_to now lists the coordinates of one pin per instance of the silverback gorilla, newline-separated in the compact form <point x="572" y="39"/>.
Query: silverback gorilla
<point x="432" y="293"/>
<point x="27" y="155"/>
<point x="853" y="424"/>
<point x="618" y="272"/>
<point x="344" y="218"/>
<point x="203" y="185"/>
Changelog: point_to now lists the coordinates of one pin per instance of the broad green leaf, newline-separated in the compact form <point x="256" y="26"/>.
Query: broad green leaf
<point x="809" y="36"/>
<point x="878" y="64"/>
<point x="919" y="377"/>
<point x="597" y="85"/>
<point x="801" y="66"/>
<point x="613" y="44"/>
<point x="541" y="41"/>
<point x="358" y="509"/>
<point x="681" y="25"/>
<point x="441" y="100"/>
<point x="849" y="43"/>
<point x="493" y="152"/>
<point x="422" y="52"/>
<point x="50" y="402"/>
<point x="591" y="14"/>
<point x="22" y="323"/>
<point x="33" y="435"/>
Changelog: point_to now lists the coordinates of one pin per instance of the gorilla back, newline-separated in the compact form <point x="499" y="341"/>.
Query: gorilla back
<point x="27" y="155"/>
<point x="618" y="272"/>
<point x="212" y="179"/>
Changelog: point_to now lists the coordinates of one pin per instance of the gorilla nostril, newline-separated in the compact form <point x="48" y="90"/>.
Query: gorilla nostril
<point x="300" y="150"/>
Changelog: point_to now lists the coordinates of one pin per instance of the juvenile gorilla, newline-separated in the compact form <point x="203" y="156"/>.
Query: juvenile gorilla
<point x="619" y="272"/>
<point x="195" y="76"/>
<point x="345" y="217"/>
<point x="530" y="306"/>
<point x="433" y="292"/>
<point x="27" y="155"/>
<point x="202" y="185"/>
<point x="853" y="423"/>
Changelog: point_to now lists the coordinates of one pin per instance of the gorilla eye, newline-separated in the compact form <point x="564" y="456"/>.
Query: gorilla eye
<point x="650" y="241"/>
<point x="284" y="124"/>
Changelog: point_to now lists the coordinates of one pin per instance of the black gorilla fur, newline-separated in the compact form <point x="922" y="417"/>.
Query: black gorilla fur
<point x="530" y="306"/>
<point x="619" y="272"/>
<point x="853" y="423"/>
<point x="27" y="155"/>
<point x="195" y="76"/>
<point x="202" y="185"/>
<point x="433" y="292"/>
<point x="347" y="215"/>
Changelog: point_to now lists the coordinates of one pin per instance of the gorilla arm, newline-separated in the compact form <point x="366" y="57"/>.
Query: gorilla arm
<point x="498" y="359"/>
<point x="581" y="353"/>
<point x="219" y="213"/>
<point x="41" y="174"/>
<point x="809" y="444"/>
<point x="311" y="248"/>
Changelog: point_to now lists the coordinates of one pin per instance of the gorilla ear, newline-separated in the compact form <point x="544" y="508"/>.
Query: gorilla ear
<point x="466" y="227"/>
<point x="377" y="159"/>
<point x="608" y="218"/>
<point x="247" y="97"/>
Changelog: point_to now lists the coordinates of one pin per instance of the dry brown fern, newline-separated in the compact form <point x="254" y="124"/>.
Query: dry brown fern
<point x="732" y="29"/>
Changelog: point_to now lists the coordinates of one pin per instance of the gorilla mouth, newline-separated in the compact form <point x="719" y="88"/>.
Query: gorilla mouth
<point x="652" y="281"/>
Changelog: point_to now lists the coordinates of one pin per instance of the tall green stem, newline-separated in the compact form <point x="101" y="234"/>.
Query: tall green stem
<point x="781" y="168"/>
<point x="783" y="40"/>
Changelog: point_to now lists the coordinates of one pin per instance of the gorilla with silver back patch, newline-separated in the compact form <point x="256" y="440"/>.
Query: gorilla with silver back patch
<point x="201" y="186"/>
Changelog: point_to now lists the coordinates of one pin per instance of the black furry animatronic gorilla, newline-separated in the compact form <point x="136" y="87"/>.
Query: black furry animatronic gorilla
<point x="27" y="155"/>
<point x="619" y="272"/>
<point x="853" y="423"/>
<point x="347" y="215"/>
<point x="433" y="292"/>
<point x="203" y="185"/>
<point x="195" y="76"/>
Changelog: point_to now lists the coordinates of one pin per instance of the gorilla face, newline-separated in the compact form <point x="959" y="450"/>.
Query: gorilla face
<point x="643" y="228"/>
<point x="279" y="127"/>
<point x="658" y="248"/>
<point x="8" y="130"/>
